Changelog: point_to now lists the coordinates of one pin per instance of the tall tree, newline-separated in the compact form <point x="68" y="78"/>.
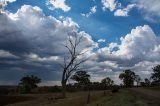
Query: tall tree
<point x="156" y="75"/>
<point x="107" y="81"/>
<point x="128" y="78"/>
<point x="81" y="77"/>
<point x="27" y="83"/>
<point x="137" y="79"/>
<point x="72" y="62"/>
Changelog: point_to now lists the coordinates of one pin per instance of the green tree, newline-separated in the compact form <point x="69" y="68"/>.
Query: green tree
<point x="81" y="77"/>
<point x="107" y="81"/>
<point x="128" y="78"/>
<point x="28" y="83"/>
<point x="156" y="75"/>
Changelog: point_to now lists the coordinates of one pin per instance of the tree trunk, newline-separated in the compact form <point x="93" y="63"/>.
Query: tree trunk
<point x="63" y="89"/>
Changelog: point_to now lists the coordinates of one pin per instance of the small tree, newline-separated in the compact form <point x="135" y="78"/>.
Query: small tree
<point x="128" y="78"/>
<point x="28" y="83"/>
<point x="156" y="75"/>
<point x="107" y="81"/>
<point x="147" y="82"/>
<point x="137" y="79"/>
<point x="81" y="77"/>
<point x="72" y="62"/>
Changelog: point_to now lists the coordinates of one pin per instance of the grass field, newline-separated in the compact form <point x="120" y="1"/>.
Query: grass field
<point x="130" y="97"/>
<point x="125" y="97"/>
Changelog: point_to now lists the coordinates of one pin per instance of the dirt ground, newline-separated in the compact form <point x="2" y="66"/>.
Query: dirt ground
<point x="73" y="99"/>
<point x="5" y="100"/>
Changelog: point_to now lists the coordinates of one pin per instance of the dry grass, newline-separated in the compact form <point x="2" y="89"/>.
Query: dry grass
<point x="73" y="99"/>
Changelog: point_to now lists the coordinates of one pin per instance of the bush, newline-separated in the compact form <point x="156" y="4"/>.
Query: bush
<point x="115" y="89"/>
<point x="4" y="91"/>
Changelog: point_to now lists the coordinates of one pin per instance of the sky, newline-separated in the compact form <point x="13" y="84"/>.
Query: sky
<point x="117" y="35"/>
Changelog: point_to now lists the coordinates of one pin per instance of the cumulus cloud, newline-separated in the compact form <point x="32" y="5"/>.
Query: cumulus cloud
<point x="38" y="41"/>
<point x="109" y="4"/>
<point x="124" y="12"/>
<point x="116" y="7"/>
<point x="138" y="40"/>
<point x="150" y="9"/>
<point x="92" y="11"/>
<point x="57" y="4"/>
<point x="134" y="50"/>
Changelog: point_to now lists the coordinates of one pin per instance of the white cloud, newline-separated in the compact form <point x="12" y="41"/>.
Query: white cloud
<point x="46" y="35"/>
<point x="109" y="4"/>
<point x="136" y="43"/>
<point x="144" y="68"/>
<point x="115" y="6"/>
<point x="124" y="11"/>
<point x="101" y="40"/>
<point x="3" y="3"/>
<point x="138" y="51"/>
<point x="32" y="20"/>
<point x="57" y="4"/>
<point x="92" y="11"/>
<point x="149" y="8"/>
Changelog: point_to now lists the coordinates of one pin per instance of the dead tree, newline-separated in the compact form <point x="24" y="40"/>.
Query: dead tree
<point x="72" y="62"/>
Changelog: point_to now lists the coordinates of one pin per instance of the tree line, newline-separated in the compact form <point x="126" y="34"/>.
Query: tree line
<point x="82" y="81"/>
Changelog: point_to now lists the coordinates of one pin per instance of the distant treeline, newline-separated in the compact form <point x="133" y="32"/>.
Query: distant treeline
<point x="28" y="84"/>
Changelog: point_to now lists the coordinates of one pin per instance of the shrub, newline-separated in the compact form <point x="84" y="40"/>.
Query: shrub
<point x="115" y="89"/>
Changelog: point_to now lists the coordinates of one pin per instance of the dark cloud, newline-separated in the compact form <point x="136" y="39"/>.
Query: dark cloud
<point x="34" y="44"/>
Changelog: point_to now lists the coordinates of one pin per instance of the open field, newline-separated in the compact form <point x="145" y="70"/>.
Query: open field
<point x="125" y="97"/>
<point x="131" y="97"/>
<point x="73" y="99"/>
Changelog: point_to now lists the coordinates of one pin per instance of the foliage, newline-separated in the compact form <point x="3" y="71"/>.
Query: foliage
<point x="107" y="81"/>
<point x="156" y="75"/>
<point x="81" y="77"/>
<point x="128" y="78"/>
<point x="147" y="82"/>
<point x="28" y="83"/>
<point x="137" y="79"/>
<point x="115" y="89"/>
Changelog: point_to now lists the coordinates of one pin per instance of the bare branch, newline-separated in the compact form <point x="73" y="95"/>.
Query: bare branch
<point x="72" y="64"/>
